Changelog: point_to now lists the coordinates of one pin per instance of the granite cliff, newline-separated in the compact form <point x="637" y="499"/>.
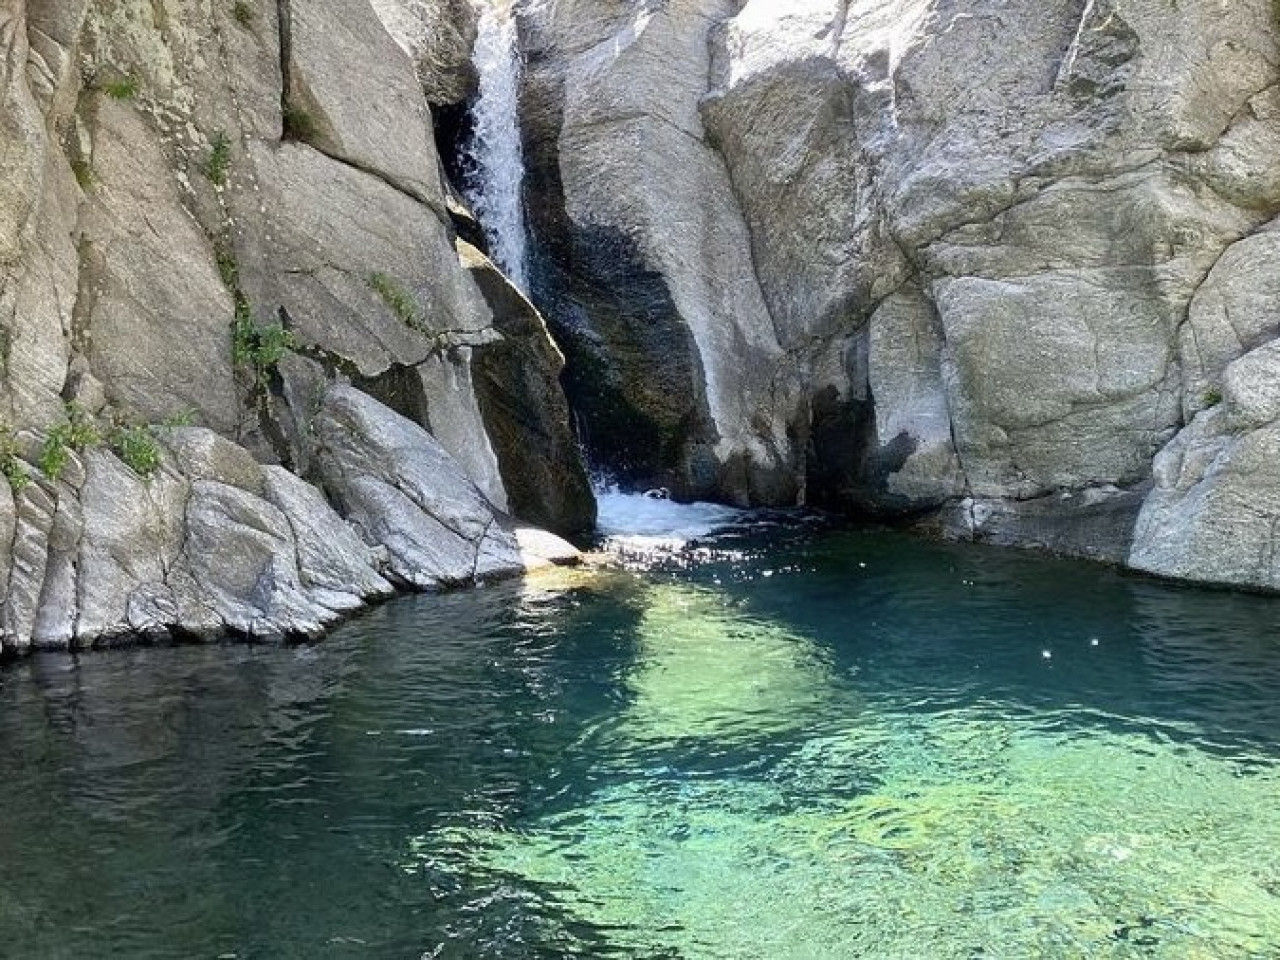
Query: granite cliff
<point x="1007" y="268"/>
<point x="252" y="377"/>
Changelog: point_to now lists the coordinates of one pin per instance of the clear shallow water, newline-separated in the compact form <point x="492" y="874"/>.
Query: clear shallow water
<point x="840" y="745"/>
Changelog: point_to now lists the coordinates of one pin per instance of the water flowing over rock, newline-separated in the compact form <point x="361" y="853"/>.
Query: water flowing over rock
<point x="495" y="154"/>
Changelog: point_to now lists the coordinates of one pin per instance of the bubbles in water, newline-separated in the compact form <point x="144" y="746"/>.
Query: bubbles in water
<point x="637" y="522"/>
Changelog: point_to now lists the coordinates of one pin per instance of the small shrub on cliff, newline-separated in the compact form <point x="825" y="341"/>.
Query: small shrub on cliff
<point x="258" y="348"/>
<point x="126" y="88"/>
<point x="82" y="432"/>
<point x="1212" y="397"/>
<point x="11" y="465"/>
<point x="242" y="10"/>
<point x="397" y="299"/>
<point x="137" y="446"/>
<point x="298" y="124"/>
<point x="54" y="453"/>
<point x="218" y="162"/>
<point x="78" y="433"/>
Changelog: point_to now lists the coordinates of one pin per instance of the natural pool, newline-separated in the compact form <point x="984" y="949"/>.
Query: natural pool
<point x="802" y="745"/>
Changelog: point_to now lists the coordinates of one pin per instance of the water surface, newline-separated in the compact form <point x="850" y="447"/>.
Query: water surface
<point x="810" y="745"/>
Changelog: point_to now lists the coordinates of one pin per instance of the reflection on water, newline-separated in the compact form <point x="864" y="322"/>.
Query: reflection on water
<point x="709" y="677"/>
<point x="843" y="746"/>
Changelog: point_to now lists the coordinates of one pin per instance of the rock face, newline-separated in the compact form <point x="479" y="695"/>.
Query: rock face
<point x="241" y="388"/>
<point x="998" y="256"/>
<point x="1214" y="513"/>
<point x="1007" y="268"/>
<point x="646" y="267"/>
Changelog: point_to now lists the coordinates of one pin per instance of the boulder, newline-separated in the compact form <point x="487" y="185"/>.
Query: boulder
<point x="1214" y="512"/>
<point x="404" y="492"/>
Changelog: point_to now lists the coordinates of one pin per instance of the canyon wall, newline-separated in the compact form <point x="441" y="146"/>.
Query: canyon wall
<point x="252" y="378"/>
<point x="1005" y="268"/>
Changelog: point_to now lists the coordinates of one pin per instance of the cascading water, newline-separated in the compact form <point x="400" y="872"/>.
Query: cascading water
<point x="495" y="157"/>
<point x="494" y="180"/>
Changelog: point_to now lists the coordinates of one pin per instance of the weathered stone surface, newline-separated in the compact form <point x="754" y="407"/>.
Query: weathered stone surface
<point x="404" y="492"/>
<point x="438" y="35"/>
<point x="1085" y="390"/>
<point x="53" y="32"/>
<point x="334" y="563"/>
<point x="36" y="305"/>
<point x="525" y="412"/>
<point x="150" y="291"/>
<point x="204" y="455"/>
<point x="327" y="231"/>
<point x="1096" y="524"/>
<point x="1233" y="311"/>
<point x="133" y="538"/>
<point x="146" y="201"/>
<point x="374" y="118"/>
<point x="1214" y="514"/>
<point x="913" y="455"/>
<point x="540" y="549"/>
<point x="34" y="517"/>
<point x="652" y="293"/>
<point x="21" y="131"/>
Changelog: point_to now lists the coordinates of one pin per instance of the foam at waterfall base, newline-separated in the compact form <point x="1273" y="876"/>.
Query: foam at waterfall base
<point x="635" y="522"/>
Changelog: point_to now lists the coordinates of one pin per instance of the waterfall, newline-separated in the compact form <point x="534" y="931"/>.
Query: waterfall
<point x="494" y="156"/>
<point x="1073" y="51"/>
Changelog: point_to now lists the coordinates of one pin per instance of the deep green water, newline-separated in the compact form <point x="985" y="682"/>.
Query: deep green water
<point x="838" y="746"/>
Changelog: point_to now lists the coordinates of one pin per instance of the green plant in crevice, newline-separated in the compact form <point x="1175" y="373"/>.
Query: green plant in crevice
<point x="298" y="124"/>
<point x="78" y="433"/>
<point x="138" y="447"/>
<point x="256" y="347"/>
<point x="83" y="172"/>
<point x="218" y="162"/>
<point x="82" y="431"/>
<point x="1212" y="397"/>
<point x="185" y="417"/>
<point x="243" y="12"/>
<point x="55" y="453"/>
<point x="224" y="256"/>
<point x="398" y="300"/>
<point x="11" y="465"/>
<point x="125" y="88"/>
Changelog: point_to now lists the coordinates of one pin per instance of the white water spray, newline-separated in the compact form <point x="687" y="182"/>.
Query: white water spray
<point x="495" y="156"/>
<point x="636" y="523"/>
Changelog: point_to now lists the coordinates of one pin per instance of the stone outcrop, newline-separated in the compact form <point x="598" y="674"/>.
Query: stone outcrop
<point x="241" y="385"/>
<point x="646" y="269"/>
<point x="1003" y="253"/>
<point x="1214" y="513"/>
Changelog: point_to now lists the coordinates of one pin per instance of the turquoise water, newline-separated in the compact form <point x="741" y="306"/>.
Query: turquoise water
<point x="817" y="745"/>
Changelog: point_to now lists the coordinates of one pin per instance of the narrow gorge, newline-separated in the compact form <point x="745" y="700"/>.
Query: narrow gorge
<point x="999" y="271"/>
<point x="773" y="479"/>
